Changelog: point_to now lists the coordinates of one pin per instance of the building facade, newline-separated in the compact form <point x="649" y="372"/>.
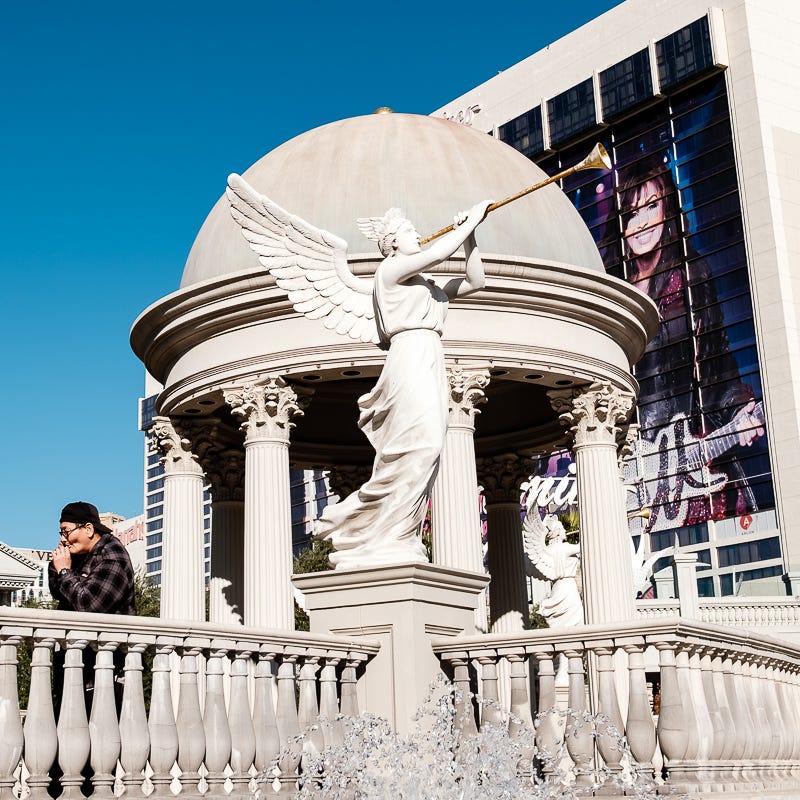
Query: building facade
<point x="699" y="110"/>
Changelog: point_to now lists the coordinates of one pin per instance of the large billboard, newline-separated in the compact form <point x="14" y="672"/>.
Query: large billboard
<point x="667" y="218"/>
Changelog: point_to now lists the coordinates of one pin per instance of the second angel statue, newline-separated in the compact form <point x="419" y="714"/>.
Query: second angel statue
<point x="405" y="415"/>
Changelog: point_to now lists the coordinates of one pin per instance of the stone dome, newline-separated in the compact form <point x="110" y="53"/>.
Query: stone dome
<point x="429" y="167"/>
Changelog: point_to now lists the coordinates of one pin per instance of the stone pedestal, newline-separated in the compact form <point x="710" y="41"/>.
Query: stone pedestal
<point x="401" y="606"/>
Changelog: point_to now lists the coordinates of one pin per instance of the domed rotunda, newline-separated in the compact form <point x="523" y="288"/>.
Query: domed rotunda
<point x="251" y="386"/>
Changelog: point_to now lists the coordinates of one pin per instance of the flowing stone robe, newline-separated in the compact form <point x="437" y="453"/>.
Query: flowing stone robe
<point x="405" y="419"/>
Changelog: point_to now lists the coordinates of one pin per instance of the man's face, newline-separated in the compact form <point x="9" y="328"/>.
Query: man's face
<point x="79" y="539"/>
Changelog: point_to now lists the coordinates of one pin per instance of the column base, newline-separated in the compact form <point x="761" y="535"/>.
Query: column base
<point x="401" y="606"/>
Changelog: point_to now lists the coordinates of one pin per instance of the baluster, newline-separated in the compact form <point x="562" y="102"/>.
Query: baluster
<point x="73" y="724"/>
<point x="744" y="702"/>
<point x="549" y="733"/>
<point x="11" y="736"/>
<point x="692" y="736"/>
<point x="265" y="726"/>
<point x="491" y="713"/>
<point x="521" y="723"/>
<point x="578" y="732"/>
<point x="243" y="737"/>
<point x="727" y="740"/>
<point x="189" y="720"/>
<point x="775" y="714"/>
<point x="103" y="725"/>
<point x="464" y="719"/>
<point x="714" y="713"/>
<point x="787" y="699"/>
<point x="610" y="734"/>
<point x="349" y="694"/>
<point x="288" y="726"/>
<point x="672" y="730"/>
<point x="640" y="730"/>
<point x="134" y="735"/>
<point x="704" y="772"/>
<point x="41" y="740"/>
<point x="329" y="704"/>
<point x="161" y="723"/>
<point x="216" y="730"/>
<point x="762" y="734"/>
<point x="308" y="712"/>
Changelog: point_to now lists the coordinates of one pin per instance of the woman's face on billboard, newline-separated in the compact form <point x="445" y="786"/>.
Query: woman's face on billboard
<point x="645" y="225"/>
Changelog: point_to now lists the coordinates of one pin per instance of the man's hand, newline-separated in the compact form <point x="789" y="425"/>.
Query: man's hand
<point x="62" y="558"/>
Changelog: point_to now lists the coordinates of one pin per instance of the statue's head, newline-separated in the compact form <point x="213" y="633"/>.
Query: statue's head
<point x="555" y="530"/>
<point x="393" y="232"/>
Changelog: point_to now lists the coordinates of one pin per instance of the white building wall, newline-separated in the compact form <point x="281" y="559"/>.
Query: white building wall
<point x="758" y="40"/>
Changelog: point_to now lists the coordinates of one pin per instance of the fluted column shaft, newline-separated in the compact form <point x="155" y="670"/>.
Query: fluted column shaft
<point x="501" y="478"/>
<point x="267" y="409"/>
<point x="455" y="516"/>
<point x="182" y="574"/>
<point x="594" y="415"/>
<point x="226" y="588"/>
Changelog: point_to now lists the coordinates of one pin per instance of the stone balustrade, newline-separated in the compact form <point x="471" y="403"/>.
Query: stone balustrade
<point x="780" y="613"/>
<point x="224" y="701"/>
<point x="704" y="709"/>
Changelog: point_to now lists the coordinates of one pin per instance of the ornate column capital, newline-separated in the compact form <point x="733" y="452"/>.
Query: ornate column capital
<point x="502" y="476"/>
<point x="466" y="394"/>
<point x="267" y="408"/>
<point x="344" y="479"/>
<point x="225" y="475"/>
<point x="177" y="456"/>
<point x="593" y="414"/>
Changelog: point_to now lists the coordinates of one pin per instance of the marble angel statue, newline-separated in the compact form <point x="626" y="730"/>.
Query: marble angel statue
<point x="405" y="415"/>
<point x="551" y="557"/>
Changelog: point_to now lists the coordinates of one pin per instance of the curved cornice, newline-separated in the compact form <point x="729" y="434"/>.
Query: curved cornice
<point x="180" y="321"/>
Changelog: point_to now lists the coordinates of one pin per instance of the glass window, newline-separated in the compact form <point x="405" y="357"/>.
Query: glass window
<point x="155" y="511"/>
<point x="684" y="54"/>
<point x="154" y="538"/>
<point x="524" y="133"/>
<point x="571" y="112"/>
<point x="154" y="566"/>
<point x="626" y="84"/>
<point x="759" y="550"/>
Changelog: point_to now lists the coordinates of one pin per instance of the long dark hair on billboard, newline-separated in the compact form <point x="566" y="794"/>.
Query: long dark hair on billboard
<point x="694" y="408"/>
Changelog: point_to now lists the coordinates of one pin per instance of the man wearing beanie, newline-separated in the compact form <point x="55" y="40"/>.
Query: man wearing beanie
<point x="91" y="569"/>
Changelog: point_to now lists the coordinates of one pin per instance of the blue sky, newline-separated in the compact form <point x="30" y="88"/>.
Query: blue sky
<point x="120" y="124"/>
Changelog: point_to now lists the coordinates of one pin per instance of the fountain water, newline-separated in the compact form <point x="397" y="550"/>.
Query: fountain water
<point x="442" y="759"/>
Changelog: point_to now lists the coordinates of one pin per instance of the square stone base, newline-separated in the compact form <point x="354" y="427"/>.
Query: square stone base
<point x="401" y="606"/>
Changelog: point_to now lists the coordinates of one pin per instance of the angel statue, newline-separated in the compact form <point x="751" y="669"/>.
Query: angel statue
<point x="552" y="558"/>
<point x="405" y="415"/>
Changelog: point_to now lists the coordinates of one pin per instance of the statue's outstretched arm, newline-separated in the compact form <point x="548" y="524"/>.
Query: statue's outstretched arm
<point x="474" y="276"/>
<point x="401" y="268"/>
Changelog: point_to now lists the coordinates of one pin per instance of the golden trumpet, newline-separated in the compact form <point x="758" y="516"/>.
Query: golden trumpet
<point x="597" y="159"/>
<point x="643" y="514"/>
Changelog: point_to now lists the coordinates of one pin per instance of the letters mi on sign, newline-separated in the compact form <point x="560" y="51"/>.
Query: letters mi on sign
<point x="551" y="492"/>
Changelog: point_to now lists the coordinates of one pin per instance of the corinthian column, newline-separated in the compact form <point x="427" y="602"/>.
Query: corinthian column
<point x="594" y="415"/>
<point x="508" y="593"/>
<point x="182" y="589"/>
<point x="226" y="588"/>
<point x="455" y="515"/>
<point x="267" y="409"/>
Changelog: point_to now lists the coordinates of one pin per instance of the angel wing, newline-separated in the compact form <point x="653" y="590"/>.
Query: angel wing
<point x="642" y="566"/>
<point x="539" y="560"/>
<point x="308" y="263"/>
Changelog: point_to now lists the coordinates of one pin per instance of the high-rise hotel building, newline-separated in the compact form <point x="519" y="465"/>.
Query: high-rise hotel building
<point x="699" y="109"/>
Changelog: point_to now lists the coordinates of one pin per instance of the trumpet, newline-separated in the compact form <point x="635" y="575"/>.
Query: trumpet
<point x="597" y="159"/>
<point x="643" y="513"/>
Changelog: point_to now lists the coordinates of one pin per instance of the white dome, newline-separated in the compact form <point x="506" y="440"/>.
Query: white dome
<point x="429" y="167"/>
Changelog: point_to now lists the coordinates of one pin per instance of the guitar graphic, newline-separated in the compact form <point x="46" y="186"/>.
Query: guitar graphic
<point x="673" y="470"/>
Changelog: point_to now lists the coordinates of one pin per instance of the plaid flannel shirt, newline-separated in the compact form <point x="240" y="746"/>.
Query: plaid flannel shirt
<point x="101" y="581"/>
